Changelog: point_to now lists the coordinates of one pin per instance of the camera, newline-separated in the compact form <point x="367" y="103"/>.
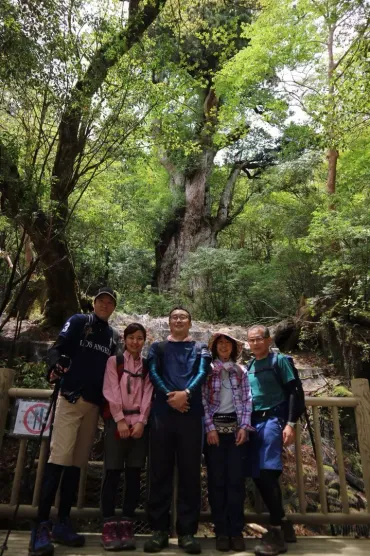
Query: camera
<point x="72" y="397"/>
<point x="62" y="365"/>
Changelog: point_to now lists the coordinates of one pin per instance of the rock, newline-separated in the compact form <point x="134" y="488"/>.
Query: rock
<point x="286" y="334"/>
<point x="333" y="492"/>
<point x="334" y="485"/>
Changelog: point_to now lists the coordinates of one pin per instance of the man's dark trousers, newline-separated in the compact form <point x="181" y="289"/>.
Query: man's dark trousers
<point x="175" y="438"/>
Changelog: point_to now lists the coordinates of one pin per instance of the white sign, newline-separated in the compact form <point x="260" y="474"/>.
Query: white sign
<point x="30" y="418"/>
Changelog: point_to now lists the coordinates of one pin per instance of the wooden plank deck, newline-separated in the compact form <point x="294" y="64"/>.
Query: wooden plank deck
<point x="307" y="546"/>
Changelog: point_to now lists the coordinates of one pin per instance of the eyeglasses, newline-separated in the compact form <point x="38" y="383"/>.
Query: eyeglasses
<point x="256" y="340"/>
<point x="179" y="317"/>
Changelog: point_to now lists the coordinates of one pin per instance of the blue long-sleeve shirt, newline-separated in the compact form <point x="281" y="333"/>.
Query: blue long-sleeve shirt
<point x="181" y="366"/>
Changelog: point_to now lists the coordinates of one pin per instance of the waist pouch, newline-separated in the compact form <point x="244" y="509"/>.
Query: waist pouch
<point x="279" y="411"/>
<point x="225" y="423"/>
<point x="131" y="411"/>
<point x="127" y="412"/>
<point x="71" y="396"/>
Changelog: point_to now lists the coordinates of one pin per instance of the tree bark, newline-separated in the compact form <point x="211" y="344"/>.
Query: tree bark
<point x="190" y="228"/>
<point x="332" y="156"/>
<point x="50" y="242"/>
<point x="193" y="225"/>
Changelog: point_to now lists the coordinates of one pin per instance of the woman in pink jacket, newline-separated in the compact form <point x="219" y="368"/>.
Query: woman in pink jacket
<point x="128" y="392"/>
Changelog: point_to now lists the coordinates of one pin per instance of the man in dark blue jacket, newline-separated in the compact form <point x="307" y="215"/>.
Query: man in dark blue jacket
<point x="78" y="360"/>
<point x="178" y="367"/>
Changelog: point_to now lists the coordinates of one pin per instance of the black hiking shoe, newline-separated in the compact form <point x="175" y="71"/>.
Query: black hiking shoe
<point x="157" y="542"/>
<point x="40" y="543"/>
<point x="271" y="544"/>
<point x="237" y="543"/>
<point x="287" y="528"/>
<point x="222" y="543"/>
<point x="190" y="544"/>
<point x="64" y="533"/>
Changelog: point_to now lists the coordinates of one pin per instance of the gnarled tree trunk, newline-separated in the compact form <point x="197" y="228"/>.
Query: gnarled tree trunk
<point x="193" y="224"/>
<point x="51" y="244"/>
<point x="190" y="228"/>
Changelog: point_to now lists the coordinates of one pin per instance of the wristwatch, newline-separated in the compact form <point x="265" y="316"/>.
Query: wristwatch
<point x="188" y="393"/>
<point x="291" y="424"/>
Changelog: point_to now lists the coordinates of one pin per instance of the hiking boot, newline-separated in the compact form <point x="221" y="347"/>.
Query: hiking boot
<point x="157" y="542"/>
<point x="63" y="533"/>
<point x="125" y="532"/>
<point x="222" y="543"/>
<point x="237" y="543"/>
<point x="40" y="542"/>
<point x="110" y="539"/>
<point x="271" y="544"/>
<point x="287" y="528"/>
<point x="190" y="544"/>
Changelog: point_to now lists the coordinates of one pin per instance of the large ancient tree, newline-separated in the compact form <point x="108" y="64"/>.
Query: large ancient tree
<point x="197" y="125"/>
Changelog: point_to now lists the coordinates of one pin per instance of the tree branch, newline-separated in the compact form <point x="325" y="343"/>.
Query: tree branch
<point x="70" y="144"/>
<point x="227" y="196"/>
<point x="239" y="133"/>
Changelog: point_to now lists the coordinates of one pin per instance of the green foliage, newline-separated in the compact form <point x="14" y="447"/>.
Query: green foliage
<point x="210" y="282"/>
<point x="149" y="302"/>
<point x="355" y="462"/>
<point x="226" y="286"/>
<point x="313" y="50"/>
<point x="113" y="231"/>
<point x="30" y="374"/>
<point x="340" y="391"/>
<point x="341" y="240"/>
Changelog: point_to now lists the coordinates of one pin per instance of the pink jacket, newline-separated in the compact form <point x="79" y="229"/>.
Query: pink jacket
<point x="117" y="395"/>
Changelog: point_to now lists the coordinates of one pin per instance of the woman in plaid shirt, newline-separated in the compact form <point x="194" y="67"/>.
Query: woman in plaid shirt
<point x="227" y="405"/>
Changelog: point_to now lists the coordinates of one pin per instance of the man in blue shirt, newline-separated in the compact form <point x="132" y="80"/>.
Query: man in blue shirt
<point x="177" y="367"/>
<point x="78" y="359"/>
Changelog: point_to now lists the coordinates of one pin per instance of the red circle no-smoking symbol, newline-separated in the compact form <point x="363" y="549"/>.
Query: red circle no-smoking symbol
<point x="34" y="417"/>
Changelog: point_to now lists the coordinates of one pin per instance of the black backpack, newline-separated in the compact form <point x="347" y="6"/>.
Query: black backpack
<point x="300" y="395"/>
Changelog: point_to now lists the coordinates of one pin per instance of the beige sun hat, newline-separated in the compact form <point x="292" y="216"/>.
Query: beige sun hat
<point x="226" y="333"/>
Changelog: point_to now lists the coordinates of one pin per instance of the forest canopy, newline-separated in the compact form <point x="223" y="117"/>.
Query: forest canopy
<point x="209" y="152"/>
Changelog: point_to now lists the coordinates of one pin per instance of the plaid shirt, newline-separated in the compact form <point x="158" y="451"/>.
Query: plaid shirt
<point x="242" y="398"/>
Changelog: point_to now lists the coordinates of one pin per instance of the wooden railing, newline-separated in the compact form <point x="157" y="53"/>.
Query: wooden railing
<point x="360" y="401"/>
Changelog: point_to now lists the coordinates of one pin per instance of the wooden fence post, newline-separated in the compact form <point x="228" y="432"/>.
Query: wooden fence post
<point x="6" y="381"/>
<point x="360" y="389"/>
